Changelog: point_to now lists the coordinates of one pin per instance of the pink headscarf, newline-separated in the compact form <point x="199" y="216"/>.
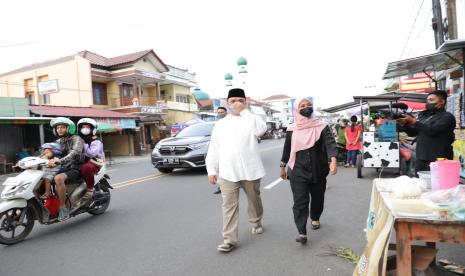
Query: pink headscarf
<point x="305" y="132"/>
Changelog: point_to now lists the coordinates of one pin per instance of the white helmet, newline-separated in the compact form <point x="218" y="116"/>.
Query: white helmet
<point x="88" y="121"/>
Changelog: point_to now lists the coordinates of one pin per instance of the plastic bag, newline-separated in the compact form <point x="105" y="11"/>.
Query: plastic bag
<point x="406" y="187"/>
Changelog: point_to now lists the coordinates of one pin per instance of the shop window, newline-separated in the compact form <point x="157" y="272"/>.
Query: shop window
<point x="31" y="99"/>
<point x="182" y="99"/>
<point x="99" y="93"/>
<point x="126" y="90"/>
<point x="46" y="99"/>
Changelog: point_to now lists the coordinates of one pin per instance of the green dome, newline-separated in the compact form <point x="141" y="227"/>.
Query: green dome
<point x="241" y="61"/>
<point x="228" y="77"/>
<point x="200" y="95"/>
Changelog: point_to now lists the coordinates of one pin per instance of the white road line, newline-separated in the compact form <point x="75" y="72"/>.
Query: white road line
<point x="274" y="183"/>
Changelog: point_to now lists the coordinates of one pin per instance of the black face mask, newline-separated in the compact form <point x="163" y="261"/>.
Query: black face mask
<point x="430" y="106"/>
<point x="306" y="112"/>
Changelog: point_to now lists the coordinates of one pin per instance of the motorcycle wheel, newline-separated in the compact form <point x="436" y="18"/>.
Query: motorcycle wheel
<point x="10" y="224"/>
<point x="100" y="209"/>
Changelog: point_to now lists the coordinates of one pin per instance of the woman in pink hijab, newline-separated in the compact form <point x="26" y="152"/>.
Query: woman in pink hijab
<point x="308" y="148"/>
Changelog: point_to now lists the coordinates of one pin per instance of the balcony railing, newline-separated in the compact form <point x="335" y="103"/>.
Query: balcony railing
<point x="133" y="101"/>
<point x="183" y="106"/>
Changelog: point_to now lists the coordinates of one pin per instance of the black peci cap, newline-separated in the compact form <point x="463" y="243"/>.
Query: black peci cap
<point x="236" y="92"/>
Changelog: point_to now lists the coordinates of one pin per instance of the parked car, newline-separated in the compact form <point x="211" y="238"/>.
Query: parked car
<point x="186" y="150"/>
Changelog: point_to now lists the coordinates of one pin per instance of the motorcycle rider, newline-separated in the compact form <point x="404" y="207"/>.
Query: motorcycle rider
<point x="64" y="129"/>
<point x="93" y="152"/>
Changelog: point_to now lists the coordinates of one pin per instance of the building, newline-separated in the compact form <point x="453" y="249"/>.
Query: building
<point x="138" y="84"/>
<point x="282" y="104"/>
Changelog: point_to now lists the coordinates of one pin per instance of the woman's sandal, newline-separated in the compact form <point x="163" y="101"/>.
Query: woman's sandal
<point x="225" y="247"/>
<point x="315" y="226"/>
<point x="302" y="239"/>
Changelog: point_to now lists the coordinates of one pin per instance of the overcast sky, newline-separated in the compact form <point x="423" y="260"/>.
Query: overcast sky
<point x="330" y="50"/>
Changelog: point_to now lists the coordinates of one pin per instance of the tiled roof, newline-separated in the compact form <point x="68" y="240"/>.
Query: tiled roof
<point x="276" y="97"/>
<point x="108" y="62"/>
<point x="39" y="65"/>
<point x="67" y="111"/>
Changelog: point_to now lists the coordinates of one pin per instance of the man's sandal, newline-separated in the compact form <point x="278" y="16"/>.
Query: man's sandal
<point x="257" y="230"/>
<point x="225" y="247"/>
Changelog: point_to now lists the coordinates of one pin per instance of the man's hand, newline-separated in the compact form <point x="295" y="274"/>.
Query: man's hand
<point x="333" y="166"/>
<point x="212" y="179"/>
<point x="406" y="119"/>
<point x="283" y="173"/>
<point x="238" y="107"/>
<point x="52" y="163"/>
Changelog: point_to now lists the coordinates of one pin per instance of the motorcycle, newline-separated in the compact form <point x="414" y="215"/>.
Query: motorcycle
<point x="21" y="205"/>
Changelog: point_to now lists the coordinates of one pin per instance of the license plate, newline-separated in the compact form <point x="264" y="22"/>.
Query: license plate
<point x="171" y="161"/>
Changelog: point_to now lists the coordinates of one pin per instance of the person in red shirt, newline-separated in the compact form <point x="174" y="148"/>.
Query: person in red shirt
<point x="353" y="143"/>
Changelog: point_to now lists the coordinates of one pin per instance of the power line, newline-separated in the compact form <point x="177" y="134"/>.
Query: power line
<point x="411" y="29"/>
<point x="18" y="44"/>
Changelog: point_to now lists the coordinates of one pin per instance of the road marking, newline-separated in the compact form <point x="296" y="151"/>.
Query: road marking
<point x="137" y="181"/>
<point x="274" y="183"/>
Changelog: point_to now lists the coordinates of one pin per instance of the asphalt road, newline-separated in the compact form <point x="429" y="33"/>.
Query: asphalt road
<point x="171" y="225"/>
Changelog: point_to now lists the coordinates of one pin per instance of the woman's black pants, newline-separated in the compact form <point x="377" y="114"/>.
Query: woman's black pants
<point x="301" y="191"/>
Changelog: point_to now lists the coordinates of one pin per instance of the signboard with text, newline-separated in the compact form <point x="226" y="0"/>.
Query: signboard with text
<point x="48" y="87"/>
<point x="419" y="82"/>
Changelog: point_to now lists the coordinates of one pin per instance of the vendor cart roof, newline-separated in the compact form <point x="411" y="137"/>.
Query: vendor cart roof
<point x="446" y="57"/>
<point x="379" y="100"/>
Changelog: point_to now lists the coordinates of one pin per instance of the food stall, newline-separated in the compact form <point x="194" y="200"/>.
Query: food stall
<point x="405" y="205"/>
<point x="445" y="68"/>
<point x="380" y="144"/>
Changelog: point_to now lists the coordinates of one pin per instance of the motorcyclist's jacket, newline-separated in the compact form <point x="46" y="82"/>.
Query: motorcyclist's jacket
<point x="73" y="156"/>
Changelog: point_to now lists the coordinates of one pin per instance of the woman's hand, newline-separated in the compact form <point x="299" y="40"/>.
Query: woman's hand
<point x="283" y="173"/>
<point x="333" y="166"/>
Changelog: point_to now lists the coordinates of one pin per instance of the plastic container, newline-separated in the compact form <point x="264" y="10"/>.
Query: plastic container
<point x="445" y="174"/>
<point x="425" y="176"/>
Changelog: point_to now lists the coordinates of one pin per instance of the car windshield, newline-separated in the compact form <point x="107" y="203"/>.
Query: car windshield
<point x="197" y="130"/>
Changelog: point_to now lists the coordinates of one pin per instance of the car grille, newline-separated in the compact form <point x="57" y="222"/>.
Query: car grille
<point x="180" y="150"/>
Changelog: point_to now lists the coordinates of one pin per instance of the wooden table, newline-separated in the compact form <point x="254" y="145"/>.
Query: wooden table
<point x="429" y="231"/>
<point x="412" y="220"/>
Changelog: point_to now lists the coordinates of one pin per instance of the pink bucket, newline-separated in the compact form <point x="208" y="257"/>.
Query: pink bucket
<point x="445" y="174"/>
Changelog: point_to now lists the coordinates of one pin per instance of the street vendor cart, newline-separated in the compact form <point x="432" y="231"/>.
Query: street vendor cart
<point x="380" y="144"/>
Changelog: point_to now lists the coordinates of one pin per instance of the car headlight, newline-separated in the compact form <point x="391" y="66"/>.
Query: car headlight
<point x="199" y="145"/>
<point x="15" y="190"/>
<point x="158" y="146"/>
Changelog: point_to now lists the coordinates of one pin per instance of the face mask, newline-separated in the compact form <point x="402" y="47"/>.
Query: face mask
<point x="306" y="112"/>
<point x="430" y="106"/>
<point x="85" y="131"/>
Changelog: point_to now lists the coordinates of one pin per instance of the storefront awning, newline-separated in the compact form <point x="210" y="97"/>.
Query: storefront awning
<point x="449" y="55"/>
<point x="24" y="120"/>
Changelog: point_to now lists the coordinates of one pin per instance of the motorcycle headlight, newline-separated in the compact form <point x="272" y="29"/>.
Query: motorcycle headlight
<point x="199" y="145"/>
<point x="14" y="191"/>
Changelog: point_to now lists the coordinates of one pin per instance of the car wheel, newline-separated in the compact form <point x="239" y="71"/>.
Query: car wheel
<point x="166" y="170"/>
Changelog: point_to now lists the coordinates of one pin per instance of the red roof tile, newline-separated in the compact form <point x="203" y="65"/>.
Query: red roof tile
<point x="276" y="97"/>
<point x="108" y="62"/>
<point x="68" y="111"/>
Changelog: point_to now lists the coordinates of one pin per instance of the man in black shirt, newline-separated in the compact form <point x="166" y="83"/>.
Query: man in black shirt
<point x="434" y="129"/>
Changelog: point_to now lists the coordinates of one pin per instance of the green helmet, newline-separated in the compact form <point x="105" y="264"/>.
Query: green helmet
<point x="63" y="121"/>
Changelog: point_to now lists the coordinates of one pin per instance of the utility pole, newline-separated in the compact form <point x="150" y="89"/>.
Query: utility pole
<point x="437" y="24"/>
<point x="451" y="19"/>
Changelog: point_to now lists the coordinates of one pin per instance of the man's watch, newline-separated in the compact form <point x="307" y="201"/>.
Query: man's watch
<point x="282" y="165"/>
